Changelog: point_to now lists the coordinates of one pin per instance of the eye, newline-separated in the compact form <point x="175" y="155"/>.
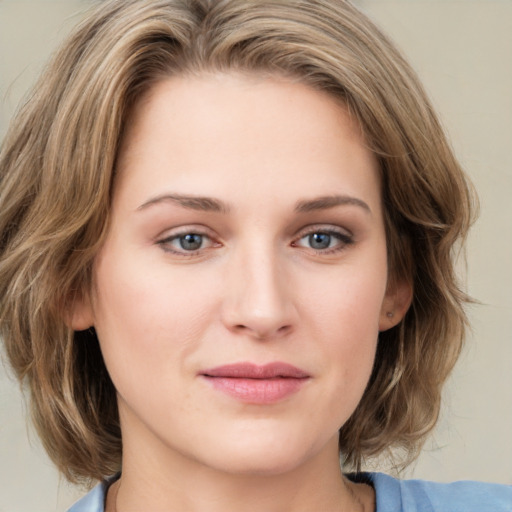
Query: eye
<point x="187" y="243"/>
<point x="190" y="241"/>
<point x="320" y="240"/>
<point x="325" y="240"/>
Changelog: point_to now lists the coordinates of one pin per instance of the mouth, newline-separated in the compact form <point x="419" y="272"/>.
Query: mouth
<point x="256" y="384"/>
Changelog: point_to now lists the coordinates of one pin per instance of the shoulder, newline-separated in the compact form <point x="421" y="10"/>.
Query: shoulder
<point x="94" y="501"/>
<point x="394" y="495"/>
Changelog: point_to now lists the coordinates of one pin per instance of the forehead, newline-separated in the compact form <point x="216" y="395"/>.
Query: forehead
<point x="198" y="134"/>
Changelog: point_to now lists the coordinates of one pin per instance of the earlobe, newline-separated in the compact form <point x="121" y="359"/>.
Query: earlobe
<point x="395" y="304"/>
<point x="79" y="315"/>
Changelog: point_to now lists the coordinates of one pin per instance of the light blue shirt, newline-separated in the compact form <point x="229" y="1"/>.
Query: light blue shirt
<point x="392" y="496"/>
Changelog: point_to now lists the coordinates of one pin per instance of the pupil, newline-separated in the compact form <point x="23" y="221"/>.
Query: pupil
<point x="191" y="242"/>
<point x="320" y="240"/>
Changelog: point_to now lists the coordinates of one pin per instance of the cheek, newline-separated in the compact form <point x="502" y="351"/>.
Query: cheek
<point x="139" y="293"/>
<point x="349" y="302"/>
<point x="146" y="321"/>
<point x="344" y="318"/>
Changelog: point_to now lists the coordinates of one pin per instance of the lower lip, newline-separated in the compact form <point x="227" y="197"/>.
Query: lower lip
<point x="257" y="391"/>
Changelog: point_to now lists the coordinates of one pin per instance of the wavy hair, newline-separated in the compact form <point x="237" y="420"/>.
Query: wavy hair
<point x="57" y="167"/>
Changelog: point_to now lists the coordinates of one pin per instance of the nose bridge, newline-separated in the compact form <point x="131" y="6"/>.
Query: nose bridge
<point x="257" y="298"/>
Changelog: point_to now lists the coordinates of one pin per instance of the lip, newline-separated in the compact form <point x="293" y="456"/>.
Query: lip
<point x="257" y="384"/>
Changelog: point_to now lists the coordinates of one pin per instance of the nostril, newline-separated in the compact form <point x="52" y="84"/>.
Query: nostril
<point x="262" y="332"/>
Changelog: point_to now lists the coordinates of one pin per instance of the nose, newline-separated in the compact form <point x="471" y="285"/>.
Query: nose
<point x="258" y="300"/>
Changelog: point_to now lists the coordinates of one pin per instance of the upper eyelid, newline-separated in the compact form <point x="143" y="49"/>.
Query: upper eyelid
<point x="199" y="229"/>
<point x="324" y="228"/>
<point x="342" y="237"/>
<point x="185" y="230"/>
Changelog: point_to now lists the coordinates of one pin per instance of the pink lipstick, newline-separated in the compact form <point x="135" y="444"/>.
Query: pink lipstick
<point x="255" y="384"/>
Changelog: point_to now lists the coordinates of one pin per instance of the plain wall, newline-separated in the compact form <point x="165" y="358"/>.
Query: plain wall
<point x="462" y="50"/>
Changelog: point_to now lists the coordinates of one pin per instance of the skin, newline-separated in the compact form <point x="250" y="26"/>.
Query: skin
<point x="267" y="153"/>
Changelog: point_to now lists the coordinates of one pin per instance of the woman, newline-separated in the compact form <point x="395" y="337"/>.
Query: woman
<point x="226" y="260"/>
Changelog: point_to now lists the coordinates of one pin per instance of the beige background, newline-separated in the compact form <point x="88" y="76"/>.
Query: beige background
<point x="462" y="50"/>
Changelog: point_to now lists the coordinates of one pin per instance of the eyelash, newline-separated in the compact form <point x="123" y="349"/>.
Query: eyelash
<point x="166" y="242"/>
<point x="344" y="239"/>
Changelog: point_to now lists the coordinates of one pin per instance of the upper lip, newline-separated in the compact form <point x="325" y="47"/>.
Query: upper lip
<point x="254" y="371"/>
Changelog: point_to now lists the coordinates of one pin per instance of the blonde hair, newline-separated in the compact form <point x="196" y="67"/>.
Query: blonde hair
<point x="57" y="168"/>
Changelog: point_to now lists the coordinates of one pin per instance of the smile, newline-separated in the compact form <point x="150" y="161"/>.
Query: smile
<point x="257" y="384"/>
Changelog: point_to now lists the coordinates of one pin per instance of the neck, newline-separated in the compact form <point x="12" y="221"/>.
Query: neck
<point x="175" y="483"/>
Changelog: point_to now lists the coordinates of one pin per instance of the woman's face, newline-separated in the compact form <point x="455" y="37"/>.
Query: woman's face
<point x="243" y="282"/>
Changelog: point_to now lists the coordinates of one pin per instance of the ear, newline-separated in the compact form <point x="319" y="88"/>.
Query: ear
<point x="79" y="314"/>
<point x="396" y="302"/>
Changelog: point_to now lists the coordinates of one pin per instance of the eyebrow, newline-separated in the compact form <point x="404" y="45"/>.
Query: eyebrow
<point x="326" y="202"/>
<point x="209" y="204"/>
<point x="205" y="204"/>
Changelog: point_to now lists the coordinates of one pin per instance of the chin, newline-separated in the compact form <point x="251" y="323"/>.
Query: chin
<point x="261" y="457"/>
<point x="263" y="464"/>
